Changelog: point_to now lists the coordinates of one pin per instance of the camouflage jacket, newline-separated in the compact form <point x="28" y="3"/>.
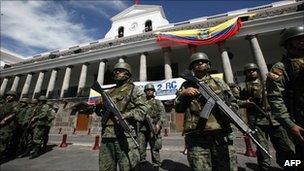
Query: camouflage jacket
<point x="45" y="115"/>
<point x="285" y="87"/>
<point x="156" y="112"/>
<point x="192" y="107"/>
<point x="255" y="91"/>
<point x="7" y="109"/>
<point x="135" y="110"/>
<point x="21" y="117"/>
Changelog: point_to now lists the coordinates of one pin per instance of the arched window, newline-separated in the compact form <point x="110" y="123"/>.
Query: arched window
<point x="121" y="32"/>
<point x="148" y="25"/>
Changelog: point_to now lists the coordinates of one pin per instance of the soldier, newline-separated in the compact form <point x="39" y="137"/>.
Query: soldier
<point x="40" y="125"/>
<point x="8" y="125"/>
<point x="253" y="90"/>
<point x="27" y="134"/>
<point x="157" y="117"/>
<point x="209" y="148"/>
<point x="117" y="147"/>
<point x="50" y="117"/>
<point x="285" y="87"/>
<point x="21" y="122"/>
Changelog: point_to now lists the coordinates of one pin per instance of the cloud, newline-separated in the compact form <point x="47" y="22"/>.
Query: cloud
<point x="41" y="25"/>
<point x="105" y="8"/>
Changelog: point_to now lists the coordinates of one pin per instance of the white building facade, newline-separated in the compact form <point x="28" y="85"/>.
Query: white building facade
<point x="67" y="74"/>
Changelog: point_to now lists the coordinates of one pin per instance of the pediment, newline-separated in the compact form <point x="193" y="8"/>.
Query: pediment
<point x="138" y="10"/>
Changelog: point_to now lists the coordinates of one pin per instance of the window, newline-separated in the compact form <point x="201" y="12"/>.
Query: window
<point x="121" y="32"/>
<point x="148" y="26"/>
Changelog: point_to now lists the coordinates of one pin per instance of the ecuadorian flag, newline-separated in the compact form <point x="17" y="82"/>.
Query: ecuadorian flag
<point x="203" y="36"/>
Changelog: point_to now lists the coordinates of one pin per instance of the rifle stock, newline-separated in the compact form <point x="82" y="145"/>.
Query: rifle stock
<point x="208" y="95"/>
<point x="111" y="109"/>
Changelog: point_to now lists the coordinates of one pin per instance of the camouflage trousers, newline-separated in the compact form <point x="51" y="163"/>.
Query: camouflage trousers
<point x="118" y="151"/>
<point x="282" y="144"/>
<point x="213" y="151"/>
<point x="38" y="136"/>
<point x="7" y="139"/>
<point x="144" y="137"/>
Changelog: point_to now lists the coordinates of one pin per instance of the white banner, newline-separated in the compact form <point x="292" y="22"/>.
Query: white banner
<point x="164" y="89"/>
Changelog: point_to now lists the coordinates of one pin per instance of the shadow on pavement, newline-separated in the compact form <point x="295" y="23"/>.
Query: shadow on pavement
<point x="25" y="154"/>
<point x="144" y="166"/>
<point x="172" y="165"/>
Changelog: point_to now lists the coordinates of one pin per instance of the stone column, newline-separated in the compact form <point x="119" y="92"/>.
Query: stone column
<point x="66" y="80"/>
<point x="27" y="84"/>
<point x="167" y="58"/>
<point x="52" y="81"/>
<point x="3" y="85"/>
<point x="226" y="63"/>
<point x="143" y="67"/>
<point x="101" y="71"/>
<point x="83" y="77"/>
<point x="39" y="83"/>
<point x="258" y="55"/>
<point x="192" y="49"/>
<point x="15" y="83"/>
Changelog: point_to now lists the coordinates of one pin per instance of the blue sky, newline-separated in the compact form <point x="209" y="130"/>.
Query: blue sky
<point x="33" y="27"/>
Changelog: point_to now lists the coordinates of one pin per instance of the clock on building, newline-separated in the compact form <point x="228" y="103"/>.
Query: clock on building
<point x="133" y="26"/>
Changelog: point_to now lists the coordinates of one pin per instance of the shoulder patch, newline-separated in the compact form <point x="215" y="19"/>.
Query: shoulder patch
<point x="272" y="75"/>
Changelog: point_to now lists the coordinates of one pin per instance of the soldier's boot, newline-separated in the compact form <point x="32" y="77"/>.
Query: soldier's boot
<point x="156" y="166"/>
<point x="34" y="153"/>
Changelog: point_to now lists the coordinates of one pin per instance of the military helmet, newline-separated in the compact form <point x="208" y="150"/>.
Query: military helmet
<point x="149" y="86"/>
<point x="290" y="33"/>
<point x="250" y="66"/>
<point x="24" y="99"/>
<point x="11" y="93"/>
<point x="33" y="101"/>
<point x="198" y="56"/>
<point x="42" y="98"/>
<point x="123" y="65"/>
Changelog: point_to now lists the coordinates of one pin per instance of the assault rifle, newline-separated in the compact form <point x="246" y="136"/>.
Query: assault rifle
<point x="261" y="111"/>
<point x="151" y="126"/>
<point x="111" y="109"/>
<point x="213" y="100"/>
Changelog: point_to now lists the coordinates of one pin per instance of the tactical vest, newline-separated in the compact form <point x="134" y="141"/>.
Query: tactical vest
<point x="216" y="120"/>
<point x="154" y="108"/>
<point x="121" y="96"/>
<point x="294" y="91"/>
<point x="153" y="112"/>
<point x="256" y="92"/>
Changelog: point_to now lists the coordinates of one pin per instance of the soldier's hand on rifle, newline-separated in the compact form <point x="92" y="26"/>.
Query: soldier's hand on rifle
<point x="190" y="91"/>
<point x="296" y="131"/>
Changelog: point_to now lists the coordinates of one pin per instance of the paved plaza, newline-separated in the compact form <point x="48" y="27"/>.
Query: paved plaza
<point x="80" y="156"/>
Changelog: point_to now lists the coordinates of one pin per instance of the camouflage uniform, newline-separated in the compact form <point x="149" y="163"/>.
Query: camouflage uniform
<point x="266" y="127"/>
<point x="285" y="87"/>
<point x="21" y="122"/>
<point x="157" y="114"/>
<point x="40" y="128"/>
<point x="117" y="147"/>
<point x="8" y="129"/>
<point x="209" y="147"/>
